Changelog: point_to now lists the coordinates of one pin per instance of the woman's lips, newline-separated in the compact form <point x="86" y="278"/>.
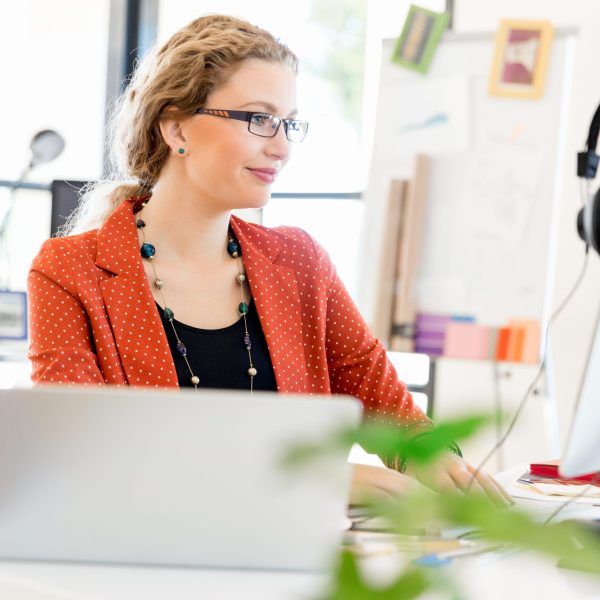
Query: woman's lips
<point x="266" y="175"/>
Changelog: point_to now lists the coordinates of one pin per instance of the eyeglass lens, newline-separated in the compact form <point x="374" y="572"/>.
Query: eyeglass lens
<point x="267" y="126"/>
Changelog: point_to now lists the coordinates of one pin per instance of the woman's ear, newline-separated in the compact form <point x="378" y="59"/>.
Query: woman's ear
<point x="172" y="133"/>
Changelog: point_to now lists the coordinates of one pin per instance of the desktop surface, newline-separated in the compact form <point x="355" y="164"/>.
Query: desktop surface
<point x="489" y="576"/>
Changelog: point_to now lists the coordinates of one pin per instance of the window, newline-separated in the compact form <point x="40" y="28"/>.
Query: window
<point x="329" y="39"/>
<point x="55" y="79"/>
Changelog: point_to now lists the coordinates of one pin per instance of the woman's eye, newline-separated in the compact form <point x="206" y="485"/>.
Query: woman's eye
<point x="259" y="119"/>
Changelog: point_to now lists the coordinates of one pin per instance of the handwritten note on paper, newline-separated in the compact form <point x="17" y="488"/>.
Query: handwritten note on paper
<point x="430" y="117"/>
<point x="501" y="192"/>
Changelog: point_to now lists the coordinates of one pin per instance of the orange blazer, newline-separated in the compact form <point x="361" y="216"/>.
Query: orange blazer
<point x="93" y="318"/>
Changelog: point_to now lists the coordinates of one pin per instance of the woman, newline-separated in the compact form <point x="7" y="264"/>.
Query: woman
<point x="165" y="288"/>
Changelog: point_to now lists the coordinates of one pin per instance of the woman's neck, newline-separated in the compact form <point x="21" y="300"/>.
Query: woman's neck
<point x="185" y="228"/>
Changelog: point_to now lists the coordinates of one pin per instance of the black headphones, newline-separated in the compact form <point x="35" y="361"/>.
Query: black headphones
<point x="588" y="218"/>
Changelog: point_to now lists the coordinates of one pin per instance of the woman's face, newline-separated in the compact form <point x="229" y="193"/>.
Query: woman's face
<point x="228" y="165"/>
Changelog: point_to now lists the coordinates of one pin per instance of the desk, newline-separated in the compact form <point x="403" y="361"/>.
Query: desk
<point x="46" y="581"/>
<point x="482" y="577"/>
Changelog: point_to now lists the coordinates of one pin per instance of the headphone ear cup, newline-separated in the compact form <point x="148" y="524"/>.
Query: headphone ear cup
<point x="595" y="221"/>
<point x="588" y="222"/>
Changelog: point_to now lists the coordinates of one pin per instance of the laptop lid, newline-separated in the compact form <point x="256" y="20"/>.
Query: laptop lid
<point x="583" y="449"/>
<point x="176" y="478"/>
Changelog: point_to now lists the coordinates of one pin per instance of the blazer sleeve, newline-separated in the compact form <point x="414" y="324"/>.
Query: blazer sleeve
<point x="61" y="348"/>
<point x="357" y="360"/>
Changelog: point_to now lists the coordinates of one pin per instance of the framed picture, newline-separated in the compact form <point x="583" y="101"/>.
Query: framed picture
<point x="419" y="38"/>
<point x="521" y="59"/>
<point x="13" y="315"/>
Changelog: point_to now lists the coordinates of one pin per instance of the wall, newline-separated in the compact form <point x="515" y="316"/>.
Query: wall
<point x="571" y="334"/>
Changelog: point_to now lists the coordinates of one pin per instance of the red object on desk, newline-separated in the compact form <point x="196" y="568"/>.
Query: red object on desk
<point x="550" y="469"/>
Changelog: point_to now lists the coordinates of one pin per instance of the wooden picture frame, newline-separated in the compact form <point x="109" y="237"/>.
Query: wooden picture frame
<point x="520" y="59"/>
<point x="13" y="315"/>
<point x="419" y="38"/>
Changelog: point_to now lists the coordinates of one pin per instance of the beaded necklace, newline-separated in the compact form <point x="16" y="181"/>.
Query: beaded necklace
<point x="148" y="252"/>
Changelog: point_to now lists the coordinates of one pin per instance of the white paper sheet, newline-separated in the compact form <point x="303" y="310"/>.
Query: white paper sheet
<point x="500" y="192"/>
<point x="430" y="116"/>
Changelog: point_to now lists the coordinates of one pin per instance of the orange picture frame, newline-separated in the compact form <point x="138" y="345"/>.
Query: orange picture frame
<point x="521" y="59"/>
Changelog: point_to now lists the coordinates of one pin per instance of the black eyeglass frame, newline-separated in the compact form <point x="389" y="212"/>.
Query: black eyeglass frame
<point x="244" y="115"/>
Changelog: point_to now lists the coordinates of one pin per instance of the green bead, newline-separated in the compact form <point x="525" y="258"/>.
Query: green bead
<point x="243" y="308"/>
<point x="169" y="314"/>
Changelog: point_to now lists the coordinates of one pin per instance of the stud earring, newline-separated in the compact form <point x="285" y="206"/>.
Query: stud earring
<point x="181" y="150"/>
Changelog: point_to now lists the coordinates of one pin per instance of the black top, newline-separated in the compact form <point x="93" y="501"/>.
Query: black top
<point x="219" y="356"/>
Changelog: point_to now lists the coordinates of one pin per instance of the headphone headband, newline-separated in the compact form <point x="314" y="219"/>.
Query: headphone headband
<point x="587" y="161"/>
<point x="588" y="218"/>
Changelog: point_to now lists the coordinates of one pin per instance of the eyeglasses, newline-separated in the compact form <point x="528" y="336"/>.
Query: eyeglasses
<point x="262" y="124"/>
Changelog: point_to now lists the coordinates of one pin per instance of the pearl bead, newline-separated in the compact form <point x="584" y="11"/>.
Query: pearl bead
<point x="241" y="278"/>
<point x="158" y="284"/>
<point x="252" y="372"/>
<point x="195" y="380"/>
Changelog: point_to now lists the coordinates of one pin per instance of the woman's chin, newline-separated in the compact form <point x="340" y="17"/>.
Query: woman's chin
<point x="255" y="203"/>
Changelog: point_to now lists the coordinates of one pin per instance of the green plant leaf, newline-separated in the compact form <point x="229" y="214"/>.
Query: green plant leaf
<point x="415" y="445"/>
<point x="418" y="445"/>
<point x="349" y="585"/>
<point x="566" y="541"/>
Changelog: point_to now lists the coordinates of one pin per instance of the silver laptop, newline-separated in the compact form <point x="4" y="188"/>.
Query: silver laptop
<point x="583" y="450"/>
<point x="173" y="478"/>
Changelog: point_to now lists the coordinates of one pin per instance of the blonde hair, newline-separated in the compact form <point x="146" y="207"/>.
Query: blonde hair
<point x="175" y="79"/>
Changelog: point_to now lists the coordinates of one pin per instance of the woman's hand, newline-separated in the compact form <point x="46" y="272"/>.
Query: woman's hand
<point x="451" y="473"/>
<point x="371" y="482"/>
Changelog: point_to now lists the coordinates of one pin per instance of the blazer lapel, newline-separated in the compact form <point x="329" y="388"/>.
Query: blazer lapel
<point x="136" y="325"/>
<point x="275" y="291"/>
<point x="134" y="320"/>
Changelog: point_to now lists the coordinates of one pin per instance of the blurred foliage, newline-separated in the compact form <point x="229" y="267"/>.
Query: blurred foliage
<point x="343" y="25"/>
<point x="568" y="542"/>
<point x="415" y="446"/>
<point x="349" y="585"/>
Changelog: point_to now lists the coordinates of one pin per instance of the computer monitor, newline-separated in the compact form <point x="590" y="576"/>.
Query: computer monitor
<point x="583" y="450"/>
<point x="65" y="198"/>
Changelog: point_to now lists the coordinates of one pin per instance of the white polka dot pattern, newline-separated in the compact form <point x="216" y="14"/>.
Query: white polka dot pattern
<point x="93" y="318"/>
